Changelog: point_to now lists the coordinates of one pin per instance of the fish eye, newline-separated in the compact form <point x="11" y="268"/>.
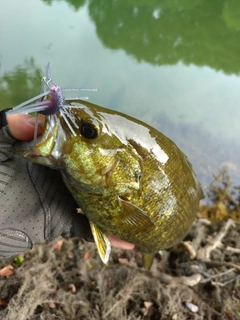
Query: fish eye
<point x="89" y="131"/>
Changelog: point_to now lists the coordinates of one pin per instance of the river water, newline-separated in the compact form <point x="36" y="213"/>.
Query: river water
<point x="173" y="64"/>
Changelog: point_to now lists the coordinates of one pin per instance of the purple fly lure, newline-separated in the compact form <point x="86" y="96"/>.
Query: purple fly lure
<point x="56" y="103"/>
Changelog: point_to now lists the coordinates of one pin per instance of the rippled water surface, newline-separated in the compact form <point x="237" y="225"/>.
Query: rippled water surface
<point x="173" y="64"/>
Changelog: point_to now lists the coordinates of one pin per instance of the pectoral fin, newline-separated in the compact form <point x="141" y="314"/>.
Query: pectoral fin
<point x="147" y="259"/>
<point x="133" y="218"/>
<point x="102" y="242"/>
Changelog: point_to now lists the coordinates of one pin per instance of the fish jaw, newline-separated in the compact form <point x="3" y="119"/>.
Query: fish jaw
<point x="47" y="149"/>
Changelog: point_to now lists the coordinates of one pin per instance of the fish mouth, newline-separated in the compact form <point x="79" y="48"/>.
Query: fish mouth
<point x="45" y="149"/>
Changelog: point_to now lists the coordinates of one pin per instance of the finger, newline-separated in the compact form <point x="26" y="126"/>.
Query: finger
<point x="21" y="126"/>
<point x="117" y="243"/>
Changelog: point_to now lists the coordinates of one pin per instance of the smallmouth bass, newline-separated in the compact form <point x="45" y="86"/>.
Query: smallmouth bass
<point x="129" y="179"/>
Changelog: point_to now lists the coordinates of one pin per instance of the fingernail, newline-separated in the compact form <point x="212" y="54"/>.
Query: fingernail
<point x="33" y="121"/>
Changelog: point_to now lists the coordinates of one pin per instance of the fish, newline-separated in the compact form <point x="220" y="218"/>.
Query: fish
<point x="129" y="179"/>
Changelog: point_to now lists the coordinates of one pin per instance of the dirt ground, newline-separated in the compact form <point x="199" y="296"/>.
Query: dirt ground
<point x="197" y="279"/>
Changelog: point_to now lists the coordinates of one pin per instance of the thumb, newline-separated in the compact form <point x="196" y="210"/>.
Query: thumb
<point x="21" y="126"/>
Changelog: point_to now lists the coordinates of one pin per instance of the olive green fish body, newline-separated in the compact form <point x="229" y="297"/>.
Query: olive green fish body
<point x="128" y="178"/>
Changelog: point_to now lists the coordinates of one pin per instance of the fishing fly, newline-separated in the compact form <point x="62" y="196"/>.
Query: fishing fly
<point x="49" y="107"/>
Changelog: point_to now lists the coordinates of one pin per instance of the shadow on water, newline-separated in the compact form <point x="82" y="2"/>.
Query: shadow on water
<point x="76" y="4"/>
<point x="19" y="85"/>
<point x="198" y="32"/>
<point x="202" y="33"/>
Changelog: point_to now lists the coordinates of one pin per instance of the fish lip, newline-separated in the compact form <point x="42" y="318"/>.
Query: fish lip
<point x="33" y="150"/>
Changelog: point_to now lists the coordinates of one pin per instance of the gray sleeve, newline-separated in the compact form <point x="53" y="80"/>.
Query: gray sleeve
<point x="35" y="205"/>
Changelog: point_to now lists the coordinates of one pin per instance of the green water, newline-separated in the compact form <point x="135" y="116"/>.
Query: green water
<point x="173" y="64"/>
